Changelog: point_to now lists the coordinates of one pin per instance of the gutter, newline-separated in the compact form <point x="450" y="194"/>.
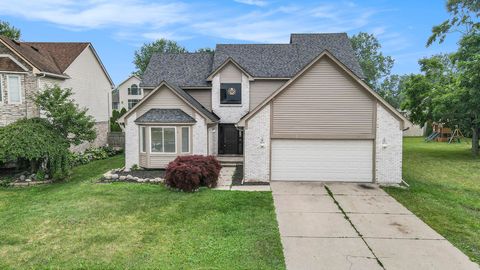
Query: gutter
<point x="54" y="75"/>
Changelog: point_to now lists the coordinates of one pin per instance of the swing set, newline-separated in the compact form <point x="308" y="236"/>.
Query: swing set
<point x="444" y="134"/>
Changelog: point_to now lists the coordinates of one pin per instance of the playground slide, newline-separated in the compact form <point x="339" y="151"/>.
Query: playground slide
<point x="432" y="136"/>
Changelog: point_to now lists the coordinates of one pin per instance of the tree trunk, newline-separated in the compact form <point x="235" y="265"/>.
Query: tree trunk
<point x="475" y="147"/>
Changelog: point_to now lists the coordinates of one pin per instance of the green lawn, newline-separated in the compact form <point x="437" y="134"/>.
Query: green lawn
<point x="82" y="224"/>
<point x="444" y="190"/>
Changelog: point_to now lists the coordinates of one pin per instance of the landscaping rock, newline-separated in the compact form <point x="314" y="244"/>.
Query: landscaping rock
<point x="122" y="178"/>
<point x="129" y="177"/>
<point x="28" y="180"/>
<point x="47" y="176"/>
<point x="22" y="177"/>
<point x="114" y="176"/>
<point x="33" y="177"/>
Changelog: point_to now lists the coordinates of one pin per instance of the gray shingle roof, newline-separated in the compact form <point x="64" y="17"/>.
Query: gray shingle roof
<point x="286" y="60"/>
<point x="194" y="102"/>
<point x="259" y="60"/>
<point x="182" y="69"/>
<point x="165" y="116"/>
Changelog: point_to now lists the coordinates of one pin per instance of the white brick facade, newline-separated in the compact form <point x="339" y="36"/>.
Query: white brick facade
<point x="230" y="113"/>
<point x="388" y="148"/>
<point x="199" y="146"/>
<point x="213" y="140"/>
<point x="131" y="141"/>
<point x="257" y="147"/>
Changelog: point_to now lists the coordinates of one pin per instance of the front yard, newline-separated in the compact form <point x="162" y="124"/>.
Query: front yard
<point x="445" y="190"/>
<point x="82" y="224"/>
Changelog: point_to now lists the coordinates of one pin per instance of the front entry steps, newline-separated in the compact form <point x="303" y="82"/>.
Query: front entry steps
<point x="230" y="160"/>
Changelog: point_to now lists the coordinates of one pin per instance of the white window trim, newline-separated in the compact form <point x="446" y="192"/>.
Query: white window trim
<point x="163" y="137"/>
<point x="19" y="85"/>
<point x="142" y="133"/>
<point x="189" y="139"/>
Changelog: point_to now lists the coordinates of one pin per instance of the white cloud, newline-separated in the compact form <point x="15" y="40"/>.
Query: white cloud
<point x="259" y="3"/>
<point x="139" y="20"/>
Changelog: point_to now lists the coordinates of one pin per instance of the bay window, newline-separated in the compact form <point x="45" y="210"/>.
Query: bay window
<point x="185" y="139"/>
<point x="163" y="139"/>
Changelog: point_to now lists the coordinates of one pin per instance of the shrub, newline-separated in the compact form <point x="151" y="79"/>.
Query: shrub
<point x="36" y="144"/>
<point x="92" y="154"/>
<point x="185" y="171"/>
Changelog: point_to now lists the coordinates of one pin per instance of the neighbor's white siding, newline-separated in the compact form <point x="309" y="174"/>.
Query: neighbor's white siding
<point x="257" y="147"/>
<point x="132" y="142"/>
<point x="90" y="85"/>
<point x="388" y="148"/>
<point x="123" y="95"/>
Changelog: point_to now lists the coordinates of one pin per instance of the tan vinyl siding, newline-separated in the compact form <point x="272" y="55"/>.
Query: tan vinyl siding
<point x="204" y="96"/>
<point x="230" y="74"/>
<point x="160" y="161"/>
<point x="143" y="160"/>
<point x="164" y="99"/>
<point x="323" y="103"/>
<point x="261" y="89"/>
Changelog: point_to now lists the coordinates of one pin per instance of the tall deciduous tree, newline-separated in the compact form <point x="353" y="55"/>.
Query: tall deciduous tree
<point x="9" y="31"/>
<point x="464" y="19"/>
<point x="71" y="121"/>
<point x="143" y="55"/>
<point x="374" y="64"/>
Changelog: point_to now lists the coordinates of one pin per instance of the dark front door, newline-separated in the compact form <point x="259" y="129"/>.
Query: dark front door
<point x="230" y="140"/>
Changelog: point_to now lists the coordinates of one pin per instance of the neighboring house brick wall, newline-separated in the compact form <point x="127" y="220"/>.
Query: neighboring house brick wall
<point x="388" y="160"/>
<point x="101" y="128"/>
<point x="257" y="147"/>
<point x="199" y="133"/>
<point x="229" y="113"/>
<point x="131" y="142"/>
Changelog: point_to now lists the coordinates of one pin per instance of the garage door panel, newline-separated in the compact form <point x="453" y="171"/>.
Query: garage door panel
<point x="322" y="160"/>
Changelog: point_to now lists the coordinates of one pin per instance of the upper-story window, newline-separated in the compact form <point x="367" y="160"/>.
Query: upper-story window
<point x="132" y="102"/>
<point x="134" y="90"/>
<point x="230" y="93"/>
<point x="14" y="89"/>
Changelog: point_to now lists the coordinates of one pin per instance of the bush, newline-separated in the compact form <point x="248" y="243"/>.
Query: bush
<point x="35" y="144"/>
<point x="92" y="154"/>
<point x="188" y="173"/>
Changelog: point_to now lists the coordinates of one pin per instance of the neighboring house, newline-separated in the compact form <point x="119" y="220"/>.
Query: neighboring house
<point x="129" y="93"/>
<point x="115" y="100"/>
<point x="28" y="67"/>
<point x="298" y="112"/>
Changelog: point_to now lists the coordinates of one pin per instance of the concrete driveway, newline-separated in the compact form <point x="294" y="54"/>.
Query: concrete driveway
<point x="356" y="226"/>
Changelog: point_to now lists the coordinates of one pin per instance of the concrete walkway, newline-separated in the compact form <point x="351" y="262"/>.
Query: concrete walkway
<point x="356" y="227"/>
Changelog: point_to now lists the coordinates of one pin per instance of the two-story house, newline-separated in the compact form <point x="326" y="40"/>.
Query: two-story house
<point x="127" y="94"/>
<point x="298" y="111"/>
<point x="28" y="67"/>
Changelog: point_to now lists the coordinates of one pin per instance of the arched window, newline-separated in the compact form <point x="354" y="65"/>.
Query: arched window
<point x="134" y="90"/>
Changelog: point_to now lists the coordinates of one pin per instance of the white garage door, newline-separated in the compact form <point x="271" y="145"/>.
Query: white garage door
<point x="322" y="160"/>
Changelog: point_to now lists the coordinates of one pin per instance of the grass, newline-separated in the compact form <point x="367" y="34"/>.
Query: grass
<point x="444" y="190"/>
<point x="82" y="224"/>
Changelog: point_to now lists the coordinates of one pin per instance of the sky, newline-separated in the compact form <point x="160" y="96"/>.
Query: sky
<point x="118" y="28"/>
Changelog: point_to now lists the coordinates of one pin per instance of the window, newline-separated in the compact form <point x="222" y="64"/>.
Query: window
<point x="132" y="102"/>
<point x="115" y="105"/>
<point x="230" y="93"/>
<point x="14" y="89"/>
<point x="134" y="90"/>
<point x="163" y="139"/>
<point x="143" y="139"/>
<point x="185" y="139"/>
